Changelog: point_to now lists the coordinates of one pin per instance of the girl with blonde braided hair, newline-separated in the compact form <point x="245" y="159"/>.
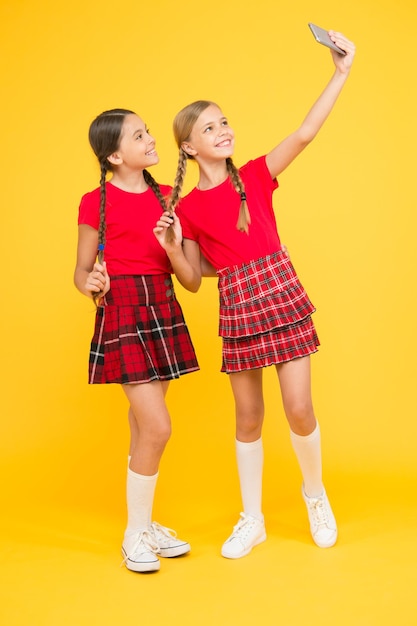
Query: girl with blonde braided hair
<point x="140" y="339"/>
<point x="265" y="313"/>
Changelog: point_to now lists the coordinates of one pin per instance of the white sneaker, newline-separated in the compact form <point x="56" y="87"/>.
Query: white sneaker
<point x="139" y="551"/>
<point x="322" y="521"/>
<point x="248" y="533"/>
<point x="167" y="541"/>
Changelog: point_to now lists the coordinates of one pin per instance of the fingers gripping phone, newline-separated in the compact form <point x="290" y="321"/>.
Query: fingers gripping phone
<point x="322" y="37"/>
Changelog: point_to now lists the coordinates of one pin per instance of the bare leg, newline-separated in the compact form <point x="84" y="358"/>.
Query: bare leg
<point x="249" y="402"/>
<point x="295" y="381"/>
<point x="250" y="530"/>
<point x="150" y="425"/>
<point x="247" y="390"/>
<point x="150" y="429"/>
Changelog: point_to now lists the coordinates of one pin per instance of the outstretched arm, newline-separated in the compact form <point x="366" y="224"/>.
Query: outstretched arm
<point x="185" y="258"/>
<point x="286" y="151"/>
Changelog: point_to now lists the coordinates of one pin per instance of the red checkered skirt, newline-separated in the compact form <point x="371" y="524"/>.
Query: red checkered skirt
<point x="140" y="333"/>
<point x="265" y="314"/>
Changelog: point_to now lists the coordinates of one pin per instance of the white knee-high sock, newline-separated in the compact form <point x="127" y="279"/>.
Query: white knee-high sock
<point x="140" y="491"/>
<point x="250" y="459"/>
<point x="308" y="453"/>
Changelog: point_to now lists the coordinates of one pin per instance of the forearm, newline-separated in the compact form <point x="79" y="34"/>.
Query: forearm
<point x="323" y="106"/>
<point x="90" y="277"/>
<point x="188" y="276"/>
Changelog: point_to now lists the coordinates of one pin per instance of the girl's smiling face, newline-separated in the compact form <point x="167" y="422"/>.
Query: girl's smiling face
<point x="211" y="137"/>
<point x="137" y="146"/>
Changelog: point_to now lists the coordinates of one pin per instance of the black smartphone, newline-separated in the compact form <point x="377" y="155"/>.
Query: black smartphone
<point x="321" y="35"/>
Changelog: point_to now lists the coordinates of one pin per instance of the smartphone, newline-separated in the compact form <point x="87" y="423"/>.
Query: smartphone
<point x="322" y="37"/>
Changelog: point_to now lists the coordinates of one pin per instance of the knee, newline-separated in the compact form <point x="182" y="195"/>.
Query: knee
<point x="164" y="433"/>
<point x="300" y="415"/>
<point x="249" y="421"/>
<point x="159" y="435"/>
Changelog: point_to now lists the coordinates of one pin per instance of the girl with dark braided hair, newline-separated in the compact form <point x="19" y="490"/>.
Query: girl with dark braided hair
<point x="140" y="340"/>
<point x="265" y="314"/>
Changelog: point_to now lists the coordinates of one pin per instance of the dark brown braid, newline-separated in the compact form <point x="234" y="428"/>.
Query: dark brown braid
<point x="244" y="215"/>
<point x="149" y="180"/>
<point x="102" y="225"/>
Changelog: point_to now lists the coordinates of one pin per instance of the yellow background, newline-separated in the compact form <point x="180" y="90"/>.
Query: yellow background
<point x="347" y="211"/>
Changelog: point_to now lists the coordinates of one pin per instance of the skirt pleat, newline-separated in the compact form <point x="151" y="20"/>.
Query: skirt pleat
<point x="265" y="315"/>
<point x="140" y="333"/>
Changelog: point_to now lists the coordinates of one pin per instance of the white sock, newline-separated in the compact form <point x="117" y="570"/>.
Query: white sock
<point x="140" y="493"/>
<point x="308" y="452"/>
<point x="250" y="459"/>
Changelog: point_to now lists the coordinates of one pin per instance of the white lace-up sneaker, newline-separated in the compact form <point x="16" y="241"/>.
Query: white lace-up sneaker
<point x="322" y="521"/>
<point x="139" y="551"/>
<point x="248" y="533"/>
<point x="167" y="541"/>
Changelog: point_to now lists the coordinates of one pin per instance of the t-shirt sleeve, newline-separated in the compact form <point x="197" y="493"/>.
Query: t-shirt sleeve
<point x="89" y="210"/>
<point x="259" y="169"/>
<point x="187" y="230"/>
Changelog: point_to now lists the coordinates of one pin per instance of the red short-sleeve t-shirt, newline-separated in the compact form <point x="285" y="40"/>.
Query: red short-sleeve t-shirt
<point x="210" y="217"/>
<point x="131" y="247"/>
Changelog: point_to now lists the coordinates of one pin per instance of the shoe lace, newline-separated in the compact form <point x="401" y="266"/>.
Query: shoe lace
<point x="243" y="527"/>
<point x="319" y="511"/>
<point x="144" y="542"/>
<point x="162" y="533"/>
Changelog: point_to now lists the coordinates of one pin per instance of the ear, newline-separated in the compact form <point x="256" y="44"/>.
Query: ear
<point x="188" y="149"/>
<point x="115" y="158"/>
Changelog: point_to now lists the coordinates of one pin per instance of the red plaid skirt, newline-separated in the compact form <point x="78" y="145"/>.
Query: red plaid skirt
<point x="265" y="314"/>
<point x="140" y="333"/>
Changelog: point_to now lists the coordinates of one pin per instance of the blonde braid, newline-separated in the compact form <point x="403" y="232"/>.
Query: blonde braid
<point x="176" y="191"/>
<point x="244" y="215"/>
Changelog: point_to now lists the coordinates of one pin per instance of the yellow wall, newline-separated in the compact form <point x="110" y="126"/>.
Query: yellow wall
<point x="346" y="210"/>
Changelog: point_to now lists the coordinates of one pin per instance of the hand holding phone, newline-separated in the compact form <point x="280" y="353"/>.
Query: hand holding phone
<point x="322" y="36"/>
